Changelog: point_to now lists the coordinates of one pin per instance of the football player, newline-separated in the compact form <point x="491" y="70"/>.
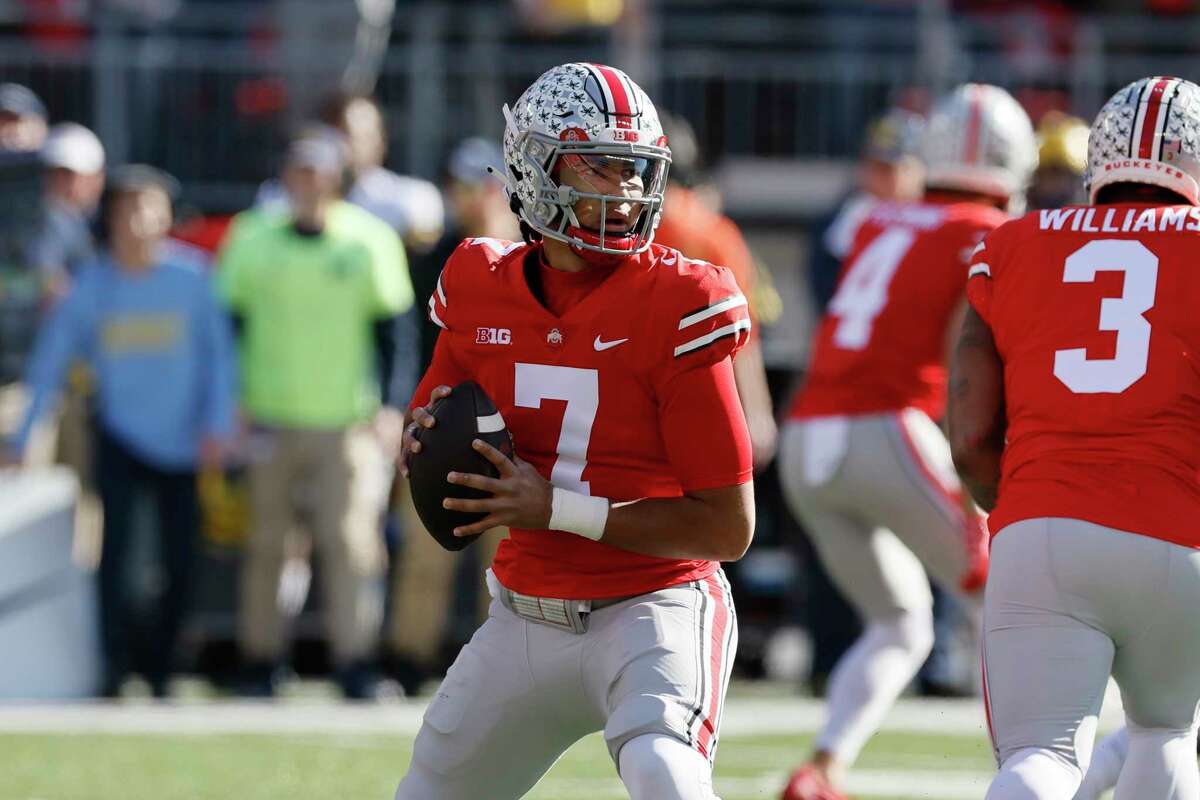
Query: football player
<point x="609" y="359"/>
<point x="864" y="464"/>
<point x="1075" y="420"/>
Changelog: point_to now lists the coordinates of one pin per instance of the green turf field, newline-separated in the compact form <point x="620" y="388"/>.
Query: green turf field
<point x="361" y="765"/>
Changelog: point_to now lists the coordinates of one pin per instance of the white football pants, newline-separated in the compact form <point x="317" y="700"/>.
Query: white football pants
<point x="877" y="495"/>
<point x="653" y="667"/>
<point x="1069" y="602"/>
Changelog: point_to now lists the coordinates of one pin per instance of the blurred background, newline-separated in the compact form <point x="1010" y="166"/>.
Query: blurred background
<point x="785" y="115"/>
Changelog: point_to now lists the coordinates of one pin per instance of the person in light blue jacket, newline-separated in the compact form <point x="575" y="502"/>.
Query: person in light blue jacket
<point x="145" y="317"/>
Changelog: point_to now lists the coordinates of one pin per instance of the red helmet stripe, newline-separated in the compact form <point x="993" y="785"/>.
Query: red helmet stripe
<point x="1150" y="118"/>
<point x="974" y="122"/>
<point x="621" y="109"/>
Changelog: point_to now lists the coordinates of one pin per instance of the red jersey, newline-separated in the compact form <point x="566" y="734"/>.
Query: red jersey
<point x="1093" y="310"/>
<point x="627" y="394"/>
<point x="881" y="345"/>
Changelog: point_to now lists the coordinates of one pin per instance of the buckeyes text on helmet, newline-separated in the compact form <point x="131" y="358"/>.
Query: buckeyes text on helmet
<point x="979" y="139"/>
<point x="584" y="111"/>
<point x="1149" y="133"/>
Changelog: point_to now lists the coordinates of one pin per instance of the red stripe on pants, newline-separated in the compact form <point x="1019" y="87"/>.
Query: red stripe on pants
<point x="708" y="728"/>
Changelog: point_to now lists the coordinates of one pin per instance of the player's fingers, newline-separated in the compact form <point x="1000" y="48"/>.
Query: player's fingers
<point x="423" y="418"/>
<point x="438" y="393"/>
<point x="488" y="504"/>
<point x="481" y="482"/>
<point x="498" y="459"/>
<point x="485" y="524"/>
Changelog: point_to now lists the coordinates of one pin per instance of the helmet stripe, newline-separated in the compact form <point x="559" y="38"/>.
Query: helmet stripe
<point x="974" y="122"/>
<point x="620" y="108"/>
<point x="1152" y="118"/>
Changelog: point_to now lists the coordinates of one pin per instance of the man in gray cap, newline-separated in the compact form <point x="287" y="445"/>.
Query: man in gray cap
<point x="22" y="119"/>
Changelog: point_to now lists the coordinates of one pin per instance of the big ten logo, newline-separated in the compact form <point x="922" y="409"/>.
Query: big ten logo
<point x="493" y="336"/>
<point x="622" y="135"/>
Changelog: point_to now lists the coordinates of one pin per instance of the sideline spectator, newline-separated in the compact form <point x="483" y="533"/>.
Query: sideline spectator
<point x="315" y="293"/>
<point x="1062" y="159"/>
<point x="422" y="598"/>
<point x="411" y="206"/>
<point x="74" y="160"/>
<point x="146" y="319"/>
<point x="22" y="132"/>
<point x="22" y="119"/>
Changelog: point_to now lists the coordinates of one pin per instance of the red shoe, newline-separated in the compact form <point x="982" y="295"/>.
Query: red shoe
<point x="808" y="783"/>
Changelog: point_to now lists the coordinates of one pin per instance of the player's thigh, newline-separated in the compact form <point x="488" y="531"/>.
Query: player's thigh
<point x="660" y="664"/>
<point x="869" y="565"/>
<point x="916" y="492"/>
<point x="1157" y="663"/>
<point x="1045" y="668"/>
<point x="491" y="730"/>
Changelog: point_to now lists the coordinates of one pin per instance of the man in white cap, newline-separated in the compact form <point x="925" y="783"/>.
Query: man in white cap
<point x="74" y="160"/>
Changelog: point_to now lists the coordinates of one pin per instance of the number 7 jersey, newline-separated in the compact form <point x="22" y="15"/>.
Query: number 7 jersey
<point x="1094" y="311"/>
<point x="628" y="394"/>
<point x="881" y="345"/>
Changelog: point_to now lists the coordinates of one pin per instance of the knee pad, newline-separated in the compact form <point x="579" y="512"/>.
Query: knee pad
<point x="1035" y="774"/>
<point x="657" y="767"/>
<point x="911" y="631"/>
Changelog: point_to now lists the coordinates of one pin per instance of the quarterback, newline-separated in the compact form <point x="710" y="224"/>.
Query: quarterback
<point x="864" y="464"/>
<point x="1075" y="419"/>
<point x="609" y="359"/>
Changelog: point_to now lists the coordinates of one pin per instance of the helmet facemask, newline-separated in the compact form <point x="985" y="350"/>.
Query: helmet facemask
<point x="553" y="213"/>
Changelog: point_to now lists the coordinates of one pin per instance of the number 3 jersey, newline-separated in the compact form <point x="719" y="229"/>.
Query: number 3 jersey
<point x="628" y="394"/>
<point x="1096" y="314"/>
<point x="881" y="345"/>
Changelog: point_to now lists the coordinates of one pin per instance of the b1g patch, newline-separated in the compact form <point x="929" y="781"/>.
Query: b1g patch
<point x="493" y="336"/>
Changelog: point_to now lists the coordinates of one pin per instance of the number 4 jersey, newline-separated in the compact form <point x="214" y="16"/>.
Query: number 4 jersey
<point x="1094" y="313"/>
<point x="881" y="345"/>
<point x="628" y="394"/>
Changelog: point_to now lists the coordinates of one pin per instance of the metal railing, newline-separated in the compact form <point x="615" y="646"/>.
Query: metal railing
<point x="211" y="92"/>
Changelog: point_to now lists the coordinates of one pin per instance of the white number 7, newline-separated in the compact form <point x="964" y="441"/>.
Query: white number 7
<point x="580" y="388"/>
<point x="1123" y="314"/>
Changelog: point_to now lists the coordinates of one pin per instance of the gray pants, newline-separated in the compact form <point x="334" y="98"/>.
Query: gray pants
<point x="521" y="692"/>
<point x="877" y="494"/>
<point x="1069" y="602"/>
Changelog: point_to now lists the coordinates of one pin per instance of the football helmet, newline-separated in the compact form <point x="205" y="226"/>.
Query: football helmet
<point x="979" y="139"/>
<point x="1149" y="132"/>
<point x="590" y="118"/>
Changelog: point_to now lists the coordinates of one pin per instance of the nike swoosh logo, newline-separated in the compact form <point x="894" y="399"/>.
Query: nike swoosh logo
<point x="601" y="346"/>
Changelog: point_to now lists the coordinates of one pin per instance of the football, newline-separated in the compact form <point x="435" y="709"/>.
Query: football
<point x="466" y="414"/>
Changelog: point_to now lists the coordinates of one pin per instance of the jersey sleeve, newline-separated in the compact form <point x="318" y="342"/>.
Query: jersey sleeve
<point x="979" y="279"/>
<point x="472" y="256"/>
<point x="703" y="428"/>
<point x="731" y="251"/>
<point x="706" y="320"/>
<point x="443" y="370"/>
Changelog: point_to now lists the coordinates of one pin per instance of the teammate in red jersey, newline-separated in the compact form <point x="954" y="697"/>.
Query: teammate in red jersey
<point x="609" y="359"/>
<point x="863" y="461"/>
<point x="1075" y="414"/>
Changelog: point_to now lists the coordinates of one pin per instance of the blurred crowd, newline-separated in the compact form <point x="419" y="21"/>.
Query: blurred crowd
<point x="184" y="365"/>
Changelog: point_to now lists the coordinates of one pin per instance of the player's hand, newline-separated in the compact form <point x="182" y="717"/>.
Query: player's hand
<point x="421" y="416"/>
<point x="521" y="497"/>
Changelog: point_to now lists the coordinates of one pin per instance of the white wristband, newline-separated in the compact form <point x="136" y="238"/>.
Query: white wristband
<point x="578" y="513"/>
